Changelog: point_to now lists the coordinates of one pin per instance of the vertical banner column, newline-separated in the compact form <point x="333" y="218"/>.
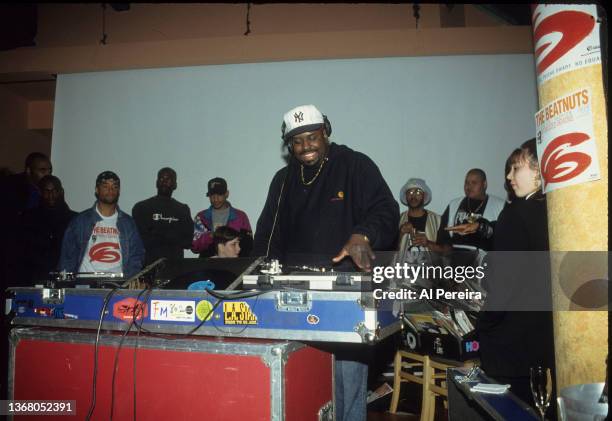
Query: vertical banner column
<point x="572" y="138"/>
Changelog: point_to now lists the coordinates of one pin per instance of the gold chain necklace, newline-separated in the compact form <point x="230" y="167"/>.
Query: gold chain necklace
<point x="312" y="180"/>
<point x="472" y="214"/>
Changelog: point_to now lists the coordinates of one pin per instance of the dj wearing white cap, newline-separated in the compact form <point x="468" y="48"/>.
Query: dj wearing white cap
<point x="329" y="200"/>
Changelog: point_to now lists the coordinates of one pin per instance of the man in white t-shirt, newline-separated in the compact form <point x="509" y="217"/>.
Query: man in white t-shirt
<point x="103" y="238"/>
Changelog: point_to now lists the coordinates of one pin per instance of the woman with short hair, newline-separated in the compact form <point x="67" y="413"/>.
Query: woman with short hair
<point x="226" y="242"/>
<point x="511" y="342"/>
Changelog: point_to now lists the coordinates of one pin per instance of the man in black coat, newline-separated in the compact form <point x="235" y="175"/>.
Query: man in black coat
<point x="43" y="230"/>
<point x="18" y="193"/>
<point x="329" y="201"/>
<point x="334" y="200"/>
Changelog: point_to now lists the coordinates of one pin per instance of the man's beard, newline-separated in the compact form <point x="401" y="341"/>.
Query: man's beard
<point x="419" y="205"/>
<point x="109" y="201"/>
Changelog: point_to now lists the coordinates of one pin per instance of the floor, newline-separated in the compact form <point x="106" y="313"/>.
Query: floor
<point x="409" y="407"/>
<point x="382" y="416"/>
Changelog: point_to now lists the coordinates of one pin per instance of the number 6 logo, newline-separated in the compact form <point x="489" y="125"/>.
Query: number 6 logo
<point x="559" y="163"/>
<point x="105" y="252"/>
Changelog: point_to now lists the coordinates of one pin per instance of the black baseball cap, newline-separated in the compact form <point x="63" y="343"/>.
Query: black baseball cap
<point x="217" y="185"/>
<point x="107" y="175"/>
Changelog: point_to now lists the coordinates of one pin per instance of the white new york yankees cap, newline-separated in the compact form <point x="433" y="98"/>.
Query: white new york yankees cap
<point x="301" y="119"/>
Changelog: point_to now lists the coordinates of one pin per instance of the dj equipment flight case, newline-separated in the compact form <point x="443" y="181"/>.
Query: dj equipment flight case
<point x="306" y="304"/>
<point x="304" y="315"/>
<point x="171" y="377"/>
<point x="189" y="354"/>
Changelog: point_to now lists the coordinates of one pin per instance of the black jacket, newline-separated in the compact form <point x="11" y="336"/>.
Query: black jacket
<point x="17" y="195"/>
<point x="523" y="225"/>
<point x="43" y="232"/>
<point x="513" y="341"/>
<point x="348" y="196"/>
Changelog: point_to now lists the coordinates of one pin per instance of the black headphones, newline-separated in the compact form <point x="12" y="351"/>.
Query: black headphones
<point x="286" y="141"/>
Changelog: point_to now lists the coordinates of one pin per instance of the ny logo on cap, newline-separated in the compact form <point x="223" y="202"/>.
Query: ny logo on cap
<point x="299" y="117"/>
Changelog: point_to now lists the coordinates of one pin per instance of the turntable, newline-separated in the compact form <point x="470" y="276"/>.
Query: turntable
<point x="272" y="275"/>
<point x="297" y="302"/>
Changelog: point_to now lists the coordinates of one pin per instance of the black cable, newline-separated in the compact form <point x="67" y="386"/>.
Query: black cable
<point x="141" y="329"/>
<point x="113" y="284"/>
<point x="213" y="308"/>
<point x="278" y="203"/>
<point x="248" y="20"/>
<point x="139" y="326"/>
<point x="416" y="13"/>
<point x="135" y="313"/>
<point x="220" y="297"/>
<point x="156" y="334"/>
<point x="95" y="367"/>
<point x="191" y="332"/>
<point x="218" y="329"/>
<point x="204" y="319"/>
<point x="103" y="40"/>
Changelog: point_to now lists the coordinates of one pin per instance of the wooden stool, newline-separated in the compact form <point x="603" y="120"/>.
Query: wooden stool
<point x="433" y="379"/>
<point x="399" y="376"/>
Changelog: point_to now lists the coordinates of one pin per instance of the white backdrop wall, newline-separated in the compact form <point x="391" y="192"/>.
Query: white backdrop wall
<point x="429" y="117"/>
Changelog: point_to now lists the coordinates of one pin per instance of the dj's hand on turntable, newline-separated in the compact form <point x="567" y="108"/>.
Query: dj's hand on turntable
<point x="358" y="248"/>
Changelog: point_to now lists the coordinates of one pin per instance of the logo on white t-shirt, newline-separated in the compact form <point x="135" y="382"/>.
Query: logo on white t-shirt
<point x="105" y="252"/>
<point x="103" y="249"/>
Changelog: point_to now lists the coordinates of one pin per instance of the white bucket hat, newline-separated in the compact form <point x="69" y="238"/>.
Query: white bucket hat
<point x="416" y="183"/>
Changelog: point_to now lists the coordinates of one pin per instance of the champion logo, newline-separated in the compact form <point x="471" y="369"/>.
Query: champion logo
<point x="161" y="217"/>
<point x="560" y="163"/>
<point x="557" y="34"/>
<point x="298" y="117"/>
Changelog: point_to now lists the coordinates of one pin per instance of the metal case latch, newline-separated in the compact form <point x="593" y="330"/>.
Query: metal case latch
<point x="293" y="301"/>
<point x="326" y="412"/>
<point x="53" y="295"/>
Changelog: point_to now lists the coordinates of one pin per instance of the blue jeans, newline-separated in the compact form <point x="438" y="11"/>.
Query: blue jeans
<point x="351" y="378"/>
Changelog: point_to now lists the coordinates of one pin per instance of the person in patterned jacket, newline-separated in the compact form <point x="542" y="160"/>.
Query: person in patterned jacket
<point x="220" y="213"/>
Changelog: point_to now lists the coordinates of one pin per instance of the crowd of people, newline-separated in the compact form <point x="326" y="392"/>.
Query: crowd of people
<point x="44" y="235"/>
<point x="329" y="200"/>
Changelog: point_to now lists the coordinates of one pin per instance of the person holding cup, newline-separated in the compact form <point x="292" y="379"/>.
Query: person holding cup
<point x="418" y="226"/>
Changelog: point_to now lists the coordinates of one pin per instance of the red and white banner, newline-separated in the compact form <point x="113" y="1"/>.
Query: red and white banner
<point x="565" y="141"/>
<point x="566" y="37"/>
